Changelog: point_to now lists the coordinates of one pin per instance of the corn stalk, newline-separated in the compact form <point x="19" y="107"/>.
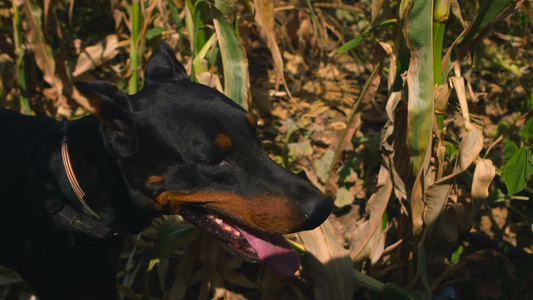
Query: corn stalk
<point x="19" y="51"/>
<point x="413" y="173"/>
<point x="135" y="47"/>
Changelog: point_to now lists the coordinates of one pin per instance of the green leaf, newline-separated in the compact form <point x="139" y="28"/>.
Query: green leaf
<point x="357" y="40"/>
<point x="174" y="11"/>
<point x="236" y="84"/>
<point x="153" y="262"/>
<point x="384" y="220"/>
<point x="418" y="33"/>
<point x="488" y="12"/>
<point x="451" y="150"/>
<point x="527" y="130"/>
<point x="171" y="237"/>
<point x="154" y="32"/>
<point x="353" y="43"/>
<point x="517" y="171"/>
<point x="456" y="254"/>
<point x="227" y="7"/>
<point x="509" y="150"/>
<point x="199" y="62"/>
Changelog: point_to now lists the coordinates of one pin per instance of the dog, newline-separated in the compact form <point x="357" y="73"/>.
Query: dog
<point x="71" y="190"/>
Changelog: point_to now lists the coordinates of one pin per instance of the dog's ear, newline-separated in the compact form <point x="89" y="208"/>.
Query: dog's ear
<point x="163" y="66"/>
<point x="113" y="109"/>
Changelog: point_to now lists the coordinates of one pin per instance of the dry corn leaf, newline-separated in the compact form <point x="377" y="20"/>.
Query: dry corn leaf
<point x="483" y="176"/>
<point x="458" y="218"/>
<point x="7" y="74"/>
<point x="94" y="56"/>
<point x="390" y="155"/>
<point x="437" y="194"/>
<point x="441" y="224"/>
<point x="34" y="35"/>
<point x="41" y="50"/>
<point x="264" y="16"/>
<point x="367" y="235"/>
<point x="376" y="5"/>
<point x="459" y="87"/>
<point x="328" y="263"/>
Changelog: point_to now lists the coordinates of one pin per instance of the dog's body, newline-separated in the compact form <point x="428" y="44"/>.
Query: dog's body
<point x="174" y="147"/>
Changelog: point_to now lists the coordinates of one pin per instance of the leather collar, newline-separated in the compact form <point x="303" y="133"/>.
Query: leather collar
<point x="72" y="218"/>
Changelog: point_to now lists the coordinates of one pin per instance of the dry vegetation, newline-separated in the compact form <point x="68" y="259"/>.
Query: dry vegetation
<point x="419" y="162"/>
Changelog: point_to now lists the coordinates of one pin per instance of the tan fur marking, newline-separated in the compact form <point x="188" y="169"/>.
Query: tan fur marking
<point x="252" y="119"/>
<point x="155" y="179"/>
<point x="223" y="142"/>
<point x="266" y="213"/>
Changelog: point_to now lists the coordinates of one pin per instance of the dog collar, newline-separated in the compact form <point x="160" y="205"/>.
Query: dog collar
<point x="72" y="179"/>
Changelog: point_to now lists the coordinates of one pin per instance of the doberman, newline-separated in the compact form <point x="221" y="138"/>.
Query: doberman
<point x="71" y="190"/>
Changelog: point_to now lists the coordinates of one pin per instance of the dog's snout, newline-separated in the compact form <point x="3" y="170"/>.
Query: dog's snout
<point x="317" y="211"/>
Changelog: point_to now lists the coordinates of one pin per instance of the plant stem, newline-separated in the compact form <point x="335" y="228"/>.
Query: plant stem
<point x="134" y="49"/>
<point x="338" y="149"/>
<point x="21" y="75"/>
<point x="440" y="17"/>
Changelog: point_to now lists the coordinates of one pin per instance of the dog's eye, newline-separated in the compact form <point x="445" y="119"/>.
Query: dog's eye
<point x="217" y="161"/>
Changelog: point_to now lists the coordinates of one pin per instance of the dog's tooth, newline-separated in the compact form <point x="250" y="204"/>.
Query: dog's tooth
<point x="219" y="221"/>
<point x="237" y="233"/>
<point x="251" y="250"/>
<point x="227" y="228"/>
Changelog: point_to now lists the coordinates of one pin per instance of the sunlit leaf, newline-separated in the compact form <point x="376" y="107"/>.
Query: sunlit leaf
<point x="483" y="176"/>
<point x="96" y="55"/>
<point x="227" y="7"/>
<point x="290" y="128"/>
<point x="343" y="197"/>
<point x="199" y="62"/>
<point x="236" y="83"/>
<point x="456" y="255"/>
<point x="517" y="171"/>
<point x="323" y="164"/>
<point x="301" y="148"/>
<point x="418" y="33"/>
<point x="264" y="16"/>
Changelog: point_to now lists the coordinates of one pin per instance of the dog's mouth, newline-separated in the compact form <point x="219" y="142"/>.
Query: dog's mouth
<point x="271" y="249"/>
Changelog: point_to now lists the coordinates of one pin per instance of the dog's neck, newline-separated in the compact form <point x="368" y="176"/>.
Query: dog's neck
<point x="97" y="174"/>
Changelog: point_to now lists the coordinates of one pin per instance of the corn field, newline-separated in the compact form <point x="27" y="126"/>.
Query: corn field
<point x="413" y="116"/>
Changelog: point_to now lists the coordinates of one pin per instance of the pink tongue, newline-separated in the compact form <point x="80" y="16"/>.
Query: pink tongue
<point x="274" y="251"/>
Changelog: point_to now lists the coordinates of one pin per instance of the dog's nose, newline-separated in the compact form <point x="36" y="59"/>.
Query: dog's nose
<point x="317" y="212"/>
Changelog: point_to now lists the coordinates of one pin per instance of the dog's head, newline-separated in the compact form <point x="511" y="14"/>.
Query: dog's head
<point x="188" y="147"/>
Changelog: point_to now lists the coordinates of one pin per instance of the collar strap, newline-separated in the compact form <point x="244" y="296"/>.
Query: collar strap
<point x="74" y="183"/>
<point x="79" y="222"/>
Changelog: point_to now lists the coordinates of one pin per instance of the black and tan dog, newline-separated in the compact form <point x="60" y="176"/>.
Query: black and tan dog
<point x="69" y="191"/>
